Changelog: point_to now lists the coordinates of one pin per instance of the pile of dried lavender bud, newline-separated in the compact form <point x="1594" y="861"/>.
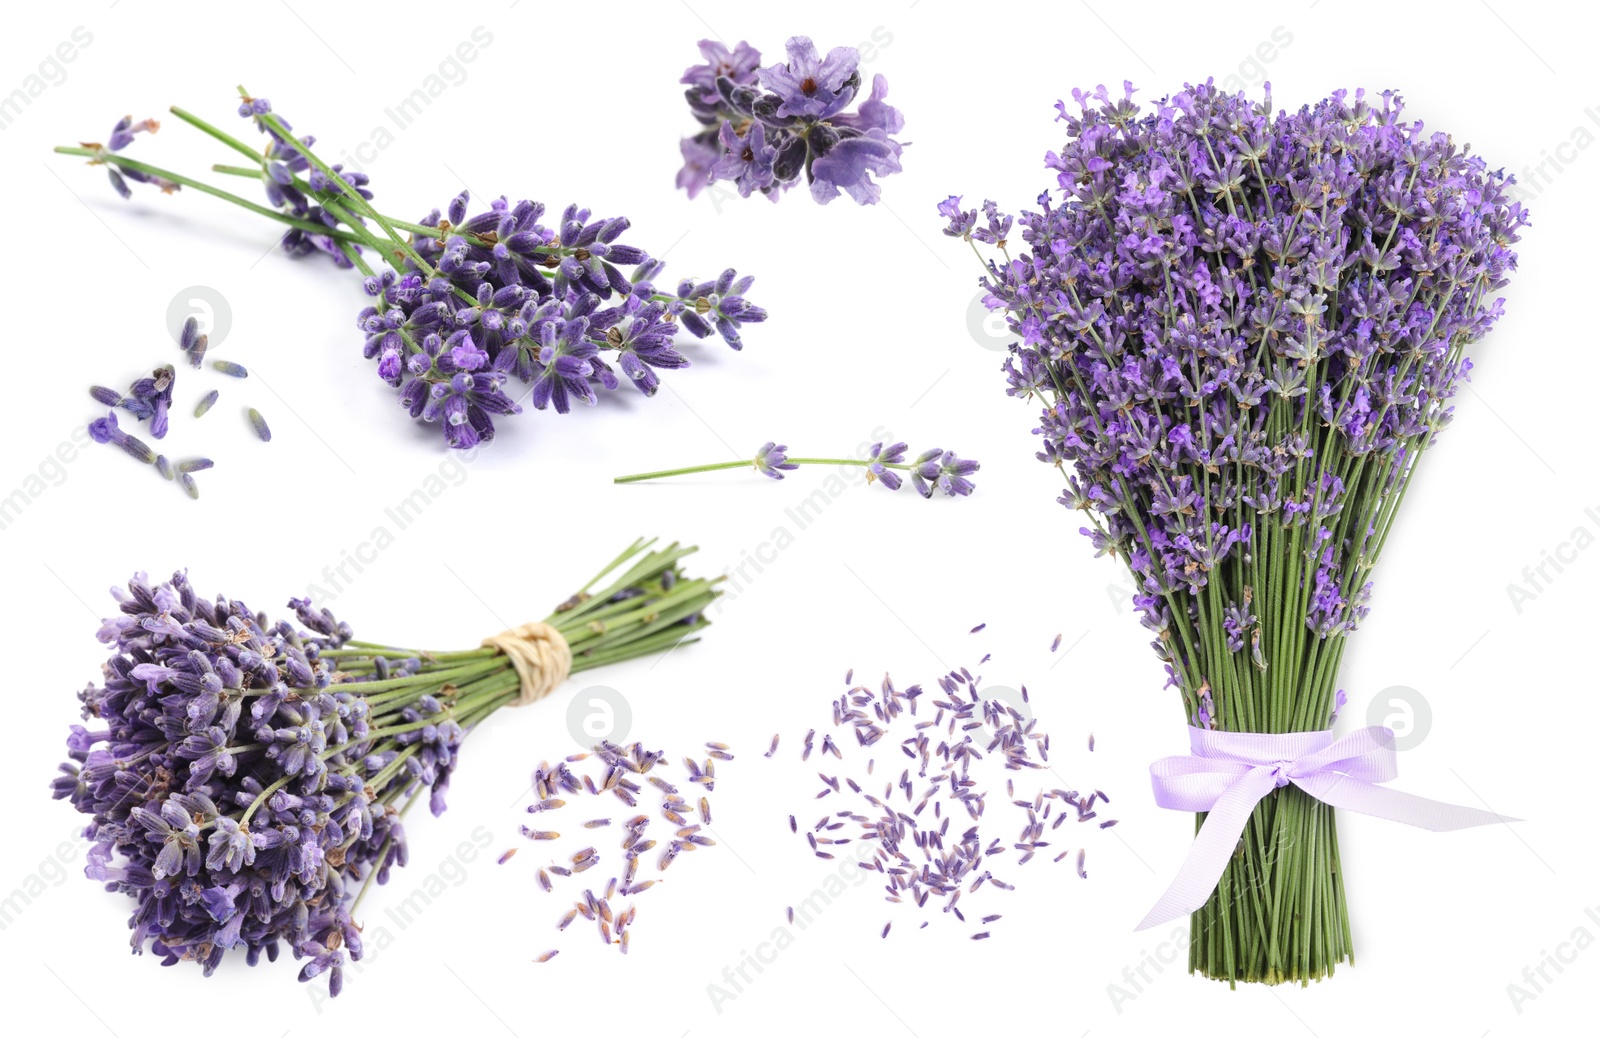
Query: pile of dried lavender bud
<point x="149" y="399"/>
<point x="626" y="772"/>
<point x="932" y="832"/>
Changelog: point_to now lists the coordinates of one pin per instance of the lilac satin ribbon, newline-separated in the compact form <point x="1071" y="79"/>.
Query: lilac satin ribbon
<point x="1228" y="773"/>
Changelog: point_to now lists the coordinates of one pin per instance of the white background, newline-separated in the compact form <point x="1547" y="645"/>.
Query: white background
<point x="870" y="329"/>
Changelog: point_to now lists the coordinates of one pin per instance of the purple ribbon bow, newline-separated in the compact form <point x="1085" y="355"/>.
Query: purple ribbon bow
<point x="1228" y="773"/>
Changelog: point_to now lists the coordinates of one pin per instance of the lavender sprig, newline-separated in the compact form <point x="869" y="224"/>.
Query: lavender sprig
<point x="247" y="780"/>
<point x="765" y="127"/>
<point x="930" y="470"/>
<point x="470" y="303"/>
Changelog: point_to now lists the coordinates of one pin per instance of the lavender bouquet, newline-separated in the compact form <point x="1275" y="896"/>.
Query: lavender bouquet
<point x="247" y="780"/>
<point x="1245" y="328"/>
<point x="467" y="302"/>
<point x="765" y="127"/>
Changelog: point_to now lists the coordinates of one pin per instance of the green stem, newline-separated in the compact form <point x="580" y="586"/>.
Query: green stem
<point x="723" y="465"/>
<point x="120" y="162"/>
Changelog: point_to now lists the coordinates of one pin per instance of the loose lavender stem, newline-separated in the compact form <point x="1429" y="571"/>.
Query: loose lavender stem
<point x="722" y="465"/>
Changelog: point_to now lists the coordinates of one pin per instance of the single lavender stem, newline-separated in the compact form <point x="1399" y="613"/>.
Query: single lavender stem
<point x="722" y="465"/>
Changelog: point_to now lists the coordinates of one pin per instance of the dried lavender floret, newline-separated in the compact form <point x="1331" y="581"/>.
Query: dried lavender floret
<point x="195" y="464"/>
<point x="190" y="487"/>
<point x="229" y="368"/>
<point x="259" y="424"/>
<point x="105" y="430"/>
<point x="163" y="466"/>
<point x="205" y="403"/>
<point x="107" y="397"/>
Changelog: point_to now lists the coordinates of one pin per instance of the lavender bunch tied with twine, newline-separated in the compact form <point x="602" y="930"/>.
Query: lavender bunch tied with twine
<point x="247" y="780"/>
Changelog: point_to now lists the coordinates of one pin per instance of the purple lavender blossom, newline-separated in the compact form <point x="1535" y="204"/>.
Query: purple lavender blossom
<point x="764" y="130"/>
<point x="773" y="460"/>
<point x="738" y="66"/>
<point x="809" y="86"/>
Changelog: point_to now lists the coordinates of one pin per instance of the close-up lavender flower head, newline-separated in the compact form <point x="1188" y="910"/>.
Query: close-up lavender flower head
<point x="765" y="127"/>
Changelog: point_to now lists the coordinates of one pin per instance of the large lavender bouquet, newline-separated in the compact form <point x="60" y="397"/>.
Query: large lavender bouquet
<point x="1246" y="328"/>
<point x="467" y="302"/>
<point x="247" y="779"/>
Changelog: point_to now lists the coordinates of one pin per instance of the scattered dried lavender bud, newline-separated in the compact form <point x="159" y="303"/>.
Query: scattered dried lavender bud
<point x="259" y="424"/>
<point x="163" y="466"/>
<point x="229" y="368"/>
<point x="507" y="856"/>
<point x="774" y="748"/>
<point x="205" y="403"/>
<point x="597" y="823"/>
<point x="195" y="464"/>
<point x="978" y="628"/>
<point x="547" y="956"/>
<point x="108" y="397"/>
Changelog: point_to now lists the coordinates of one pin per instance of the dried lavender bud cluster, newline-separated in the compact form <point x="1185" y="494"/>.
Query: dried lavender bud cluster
<point x="623" y="768"/>
<point x="766" y="127"/>
<point x="912" y="847"/>
<point x="1245" y="328"/>
<point x="150" y="399"/>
